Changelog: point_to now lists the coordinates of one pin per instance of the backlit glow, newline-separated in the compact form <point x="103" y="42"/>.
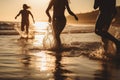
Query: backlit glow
<point x="44" y="61"/>
<point x="41" y="35"/>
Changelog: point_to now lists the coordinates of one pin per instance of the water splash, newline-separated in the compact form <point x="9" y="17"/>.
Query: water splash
<point x="49" y="40"/>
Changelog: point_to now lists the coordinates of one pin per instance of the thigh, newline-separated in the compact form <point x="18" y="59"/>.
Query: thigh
<point x="108" y="21"/>
<point x="100" y="23"/>
<point x="59" y="25"/>
<point x="22" y="26"/>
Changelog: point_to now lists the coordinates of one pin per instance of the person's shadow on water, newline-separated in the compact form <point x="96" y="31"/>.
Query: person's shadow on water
<point x="25" y="58"/>
<point x="59" y="72"/>
<point x="108" y="70"/>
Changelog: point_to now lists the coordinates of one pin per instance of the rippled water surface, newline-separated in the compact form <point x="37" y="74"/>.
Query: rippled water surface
<point x="26" y="59"/>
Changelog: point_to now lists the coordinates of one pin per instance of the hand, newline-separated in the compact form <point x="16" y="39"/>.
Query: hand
<point x="33" y="21"/>
<point x="76" y="18"/>
<point x="95" y="7"/>
<point x="96" y="4"/>
<point x="49" y="20"/>
<point x="16" y="17"/>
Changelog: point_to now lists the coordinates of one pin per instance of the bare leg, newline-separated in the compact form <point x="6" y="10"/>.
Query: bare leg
<point x="27" y="29"/>
<point x="58" y="26"/>
<point x="22" y="26"/>
<point x="102" y="26"/>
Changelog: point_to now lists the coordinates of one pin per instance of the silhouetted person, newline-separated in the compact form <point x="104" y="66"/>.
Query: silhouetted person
<point x="58" y="19"/>
<point x="107" y="13"/>
<point x="25" y="18"/>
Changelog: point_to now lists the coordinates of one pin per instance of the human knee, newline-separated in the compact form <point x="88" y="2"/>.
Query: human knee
<point x="98" y="32"/>
<point x="101" y="32"/>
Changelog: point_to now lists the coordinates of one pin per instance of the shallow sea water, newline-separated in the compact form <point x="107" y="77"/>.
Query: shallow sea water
<point x="26" y="59"/>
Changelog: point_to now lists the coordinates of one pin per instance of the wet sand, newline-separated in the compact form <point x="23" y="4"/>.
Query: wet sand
<point x="26" y="59"/>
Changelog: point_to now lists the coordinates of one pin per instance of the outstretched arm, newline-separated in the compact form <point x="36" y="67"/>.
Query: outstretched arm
<point x="96" y="4"/>
<point x="32" y="17"/>
<point x="18" y="15"/>
<point x="47" y="10"/>
<point x="69" y="10"/>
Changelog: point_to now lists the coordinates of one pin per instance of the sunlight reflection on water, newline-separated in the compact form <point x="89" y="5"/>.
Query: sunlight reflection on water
<point x="43" y="35"/>
<point x="20" y="61"/>
<point x="44" y="61"/>
<point x="38" y="41"/>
